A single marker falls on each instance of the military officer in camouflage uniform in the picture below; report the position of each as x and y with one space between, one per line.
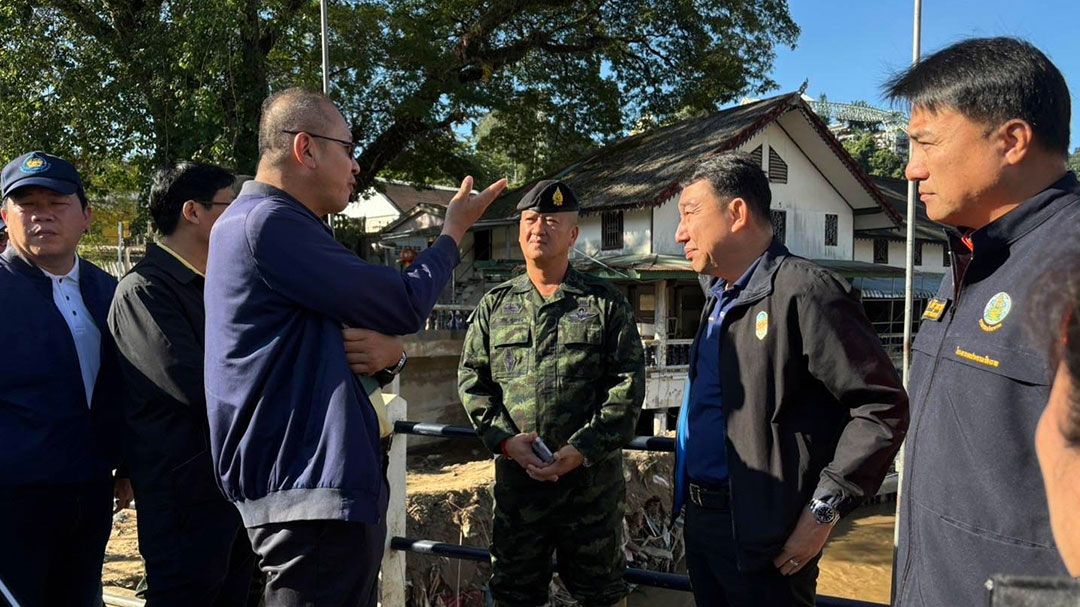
554 354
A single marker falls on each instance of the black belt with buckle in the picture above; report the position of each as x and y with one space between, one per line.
715 497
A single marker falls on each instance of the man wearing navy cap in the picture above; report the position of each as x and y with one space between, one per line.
554 355
59 393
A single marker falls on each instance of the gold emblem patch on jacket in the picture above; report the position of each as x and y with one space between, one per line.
995 312
761 325
935 308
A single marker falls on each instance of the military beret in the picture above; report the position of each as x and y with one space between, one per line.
549 196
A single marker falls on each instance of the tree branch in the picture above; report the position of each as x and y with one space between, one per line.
91 23
274 28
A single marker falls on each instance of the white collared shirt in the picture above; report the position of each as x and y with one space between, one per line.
68 299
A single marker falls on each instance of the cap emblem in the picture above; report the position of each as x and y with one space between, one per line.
34 164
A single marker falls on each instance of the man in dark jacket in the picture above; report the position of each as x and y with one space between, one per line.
794 410
59 392
989 135
190 537
294 439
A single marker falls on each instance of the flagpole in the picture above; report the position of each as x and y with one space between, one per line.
909 288
324 30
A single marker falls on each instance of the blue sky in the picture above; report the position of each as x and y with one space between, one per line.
847 49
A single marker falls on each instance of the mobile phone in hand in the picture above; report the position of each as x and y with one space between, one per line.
540 449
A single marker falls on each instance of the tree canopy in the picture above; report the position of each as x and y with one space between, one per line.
874 158
121 86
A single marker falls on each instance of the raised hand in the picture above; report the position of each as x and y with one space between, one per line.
466 208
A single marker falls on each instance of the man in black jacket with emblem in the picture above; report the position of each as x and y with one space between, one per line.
794 411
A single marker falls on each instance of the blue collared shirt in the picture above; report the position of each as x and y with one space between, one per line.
702 433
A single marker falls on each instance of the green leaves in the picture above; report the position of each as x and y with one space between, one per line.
538 84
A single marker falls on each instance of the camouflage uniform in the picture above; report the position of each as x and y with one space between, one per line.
571 369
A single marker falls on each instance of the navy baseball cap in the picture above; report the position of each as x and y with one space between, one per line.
44 170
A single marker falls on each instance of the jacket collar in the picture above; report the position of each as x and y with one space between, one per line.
573 282
760 283
24 266
160 258
1031 213
96 296
265 190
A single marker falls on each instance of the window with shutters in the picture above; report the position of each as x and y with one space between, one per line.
918 253
779 225
832 230
611 230
756 155
777 167
881 250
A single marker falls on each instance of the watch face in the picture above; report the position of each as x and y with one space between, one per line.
825 514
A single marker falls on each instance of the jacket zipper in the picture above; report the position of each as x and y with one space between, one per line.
958 287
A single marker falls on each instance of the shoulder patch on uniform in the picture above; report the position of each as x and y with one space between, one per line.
995 312
513 307
761 325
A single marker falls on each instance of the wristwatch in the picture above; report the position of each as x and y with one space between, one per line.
400 366
823 513
388 374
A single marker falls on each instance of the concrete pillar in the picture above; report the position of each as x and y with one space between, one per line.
660 322
659 423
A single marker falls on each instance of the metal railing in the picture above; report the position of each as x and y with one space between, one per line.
449 317
399 542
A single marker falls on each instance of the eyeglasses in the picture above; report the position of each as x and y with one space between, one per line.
212 203
350 146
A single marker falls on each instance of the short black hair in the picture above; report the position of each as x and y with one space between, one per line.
991 81
293 109
177 184
737 175
1054 316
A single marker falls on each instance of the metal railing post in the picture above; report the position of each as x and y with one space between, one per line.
393 565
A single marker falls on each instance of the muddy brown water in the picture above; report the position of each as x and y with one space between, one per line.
857 563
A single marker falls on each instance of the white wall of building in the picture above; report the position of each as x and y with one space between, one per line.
637 234
376 208
932 255
807 197
665 222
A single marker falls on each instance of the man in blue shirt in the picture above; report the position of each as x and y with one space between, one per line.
60 392
294 439
704 414
793 412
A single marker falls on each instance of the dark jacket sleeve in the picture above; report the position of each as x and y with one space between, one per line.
479 393
144 320
845 354
304 263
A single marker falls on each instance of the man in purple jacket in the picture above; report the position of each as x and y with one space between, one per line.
294 439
